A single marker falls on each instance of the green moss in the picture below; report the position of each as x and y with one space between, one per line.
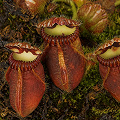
63 9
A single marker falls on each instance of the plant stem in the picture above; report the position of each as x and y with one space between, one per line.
73 7
117 2
74 10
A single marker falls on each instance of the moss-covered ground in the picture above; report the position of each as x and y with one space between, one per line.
89 101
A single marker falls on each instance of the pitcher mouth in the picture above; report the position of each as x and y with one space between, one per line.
62 39
59 29
109 53
24 56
